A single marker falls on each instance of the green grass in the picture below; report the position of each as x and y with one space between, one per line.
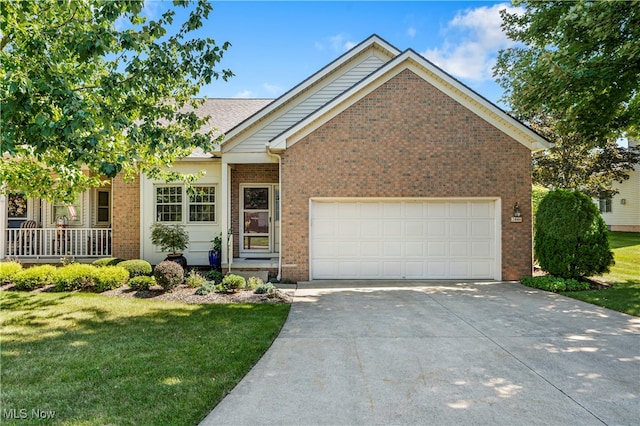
624 296
98 360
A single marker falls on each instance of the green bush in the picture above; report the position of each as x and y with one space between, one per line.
555 284
253 282
571 239
206 288
75 276
107 261
168 274
8 270
232 283
34 277
267 288
215 275
194 279
141 282
137 267
110 277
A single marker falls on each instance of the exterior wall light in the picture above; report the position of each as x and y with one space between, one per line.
516 210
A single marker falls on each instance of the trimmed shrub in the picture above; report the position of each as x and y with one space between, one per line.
137 267
34 277
168 274
215 276
110 277
571 239
253 282
232 283
267 288
107 261
194 279
555 284
8 270
75 276
141 282
206 288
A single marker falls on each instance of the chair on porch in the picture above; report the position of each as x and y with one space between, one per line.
24 242
100 245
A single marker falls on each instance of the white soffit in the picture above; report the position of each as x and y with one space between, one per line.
433 75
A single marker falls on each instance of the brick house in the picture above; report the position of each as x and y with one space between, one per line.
380 165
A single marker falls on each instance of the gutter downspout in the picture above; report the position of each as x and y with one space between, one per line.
271 153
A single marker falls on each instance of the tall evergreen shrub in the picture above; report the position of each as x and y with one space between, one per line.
571 239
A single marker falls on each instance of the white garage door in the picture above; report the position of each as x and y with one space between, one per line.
404 239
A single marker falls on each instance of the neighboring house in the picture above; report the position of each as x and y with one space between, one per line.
380 165
622 211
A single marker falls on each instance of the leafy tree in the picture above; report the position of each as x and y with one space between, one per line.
576 60
571 239
92 88
573 162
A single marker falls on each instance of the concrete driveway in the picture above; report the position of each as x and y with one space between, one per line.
441 353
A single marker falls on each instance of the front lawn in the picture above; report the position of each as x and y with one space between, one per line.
624 296
95 360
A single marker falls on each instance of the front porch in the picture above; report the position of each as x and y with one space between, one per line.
45 244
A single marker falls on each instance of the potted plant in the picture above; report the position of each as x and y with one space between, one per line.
215 254
171 237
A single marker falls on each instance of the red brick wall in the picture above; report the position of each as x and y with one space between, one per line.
126 218
247 174
406 139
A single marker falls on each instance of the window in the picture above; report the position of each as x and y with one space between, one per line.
199 206
103 207
68 213
202 204
16 209
605 205
169 204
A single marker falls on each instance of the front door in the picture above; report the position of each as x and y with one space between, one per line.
257 220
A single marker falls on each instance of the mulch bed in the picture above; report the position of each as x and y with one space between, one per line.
184 294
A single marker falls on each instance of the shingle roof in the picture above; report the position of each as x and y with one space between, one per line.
226 114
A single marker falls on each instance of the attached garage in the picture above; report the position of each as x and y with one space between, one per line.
405 239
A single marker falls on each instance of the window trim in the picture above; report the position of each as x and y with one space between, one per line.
605 205
186 203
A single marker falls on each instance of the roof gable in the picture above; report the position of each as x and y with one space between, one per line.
328 83
430 73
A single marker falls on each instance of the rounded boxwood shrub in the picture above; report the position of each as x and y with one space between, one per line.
168 274
136 267
8 270
232 283
110 277
34 277
141 282
571 239
75 276
107 261
215 276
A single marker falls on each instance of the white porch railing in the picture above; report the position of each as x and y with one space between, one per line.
55 242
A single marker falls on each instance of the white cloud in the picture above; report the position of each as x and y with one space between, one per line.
411 32
244 94
338 43
272 89
471 43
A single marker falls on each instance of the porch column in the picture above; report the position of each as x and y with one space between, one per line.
225 195
3 221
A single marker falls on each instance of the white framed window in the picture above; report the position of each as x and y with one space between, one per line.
174 204
67 213
605 205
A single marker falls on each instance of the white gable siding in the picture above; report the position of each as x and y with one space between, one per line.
256 141
627 214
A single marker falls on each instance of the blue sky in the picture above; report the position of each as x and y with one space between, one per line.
276 45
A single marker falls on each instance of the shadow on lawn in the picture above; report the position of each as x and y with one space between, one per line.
92 363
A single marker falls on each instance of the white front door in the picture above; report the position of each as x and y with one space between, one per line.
258 220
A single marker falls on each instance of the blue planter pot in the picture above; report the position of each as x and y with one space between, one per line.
215 259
